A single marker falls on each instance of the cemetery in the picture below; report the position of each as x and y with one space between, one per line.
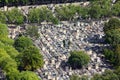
56 42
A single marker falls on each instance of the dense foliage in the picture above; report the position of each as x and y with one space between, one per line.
39 15
33 32
30 58
78 59
3 30
28 75
2 17
15 16
112 24
22 43
112 35
107 75
9 57
97 9
76 77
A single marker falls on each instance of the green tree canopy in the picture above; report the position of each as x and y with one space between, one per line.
3 30
22 43
74 77
97 77
78 59
6 62
113 36
113 23
28 75
32 31
66 12
15 16
13 75
117 71
100 8
2 17
107 75
33 16
110 55
11 51
116 9
39 15
30 59
95 11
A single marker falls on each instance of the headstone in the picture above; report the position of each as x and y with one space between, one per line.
89 52
5 8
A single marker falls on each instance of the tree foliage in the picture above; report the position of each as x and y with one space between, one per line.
100 8
116 9
28 75
2 17
3 30
22 43
39 15
113 36
74 77
66 12
15 16
32 31
112 24
6 62
30 59
78 59
110 55
107 75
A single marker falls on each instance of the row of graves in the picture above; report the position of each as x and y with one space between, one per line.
15 30
56 42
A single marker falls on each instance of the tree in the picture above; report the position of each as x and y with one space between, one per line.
3 30
28 75
95 11
65 12
32 31
106 8
4 35
7 41
6 62
15 16
116 9
33 16
2 17
110 55
113 36
84 78
107 75
82 11
74 77
78 59
117 72
30 59
11 51
113 23
100 8
97 77
39 15
13 75
22 43
117 55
